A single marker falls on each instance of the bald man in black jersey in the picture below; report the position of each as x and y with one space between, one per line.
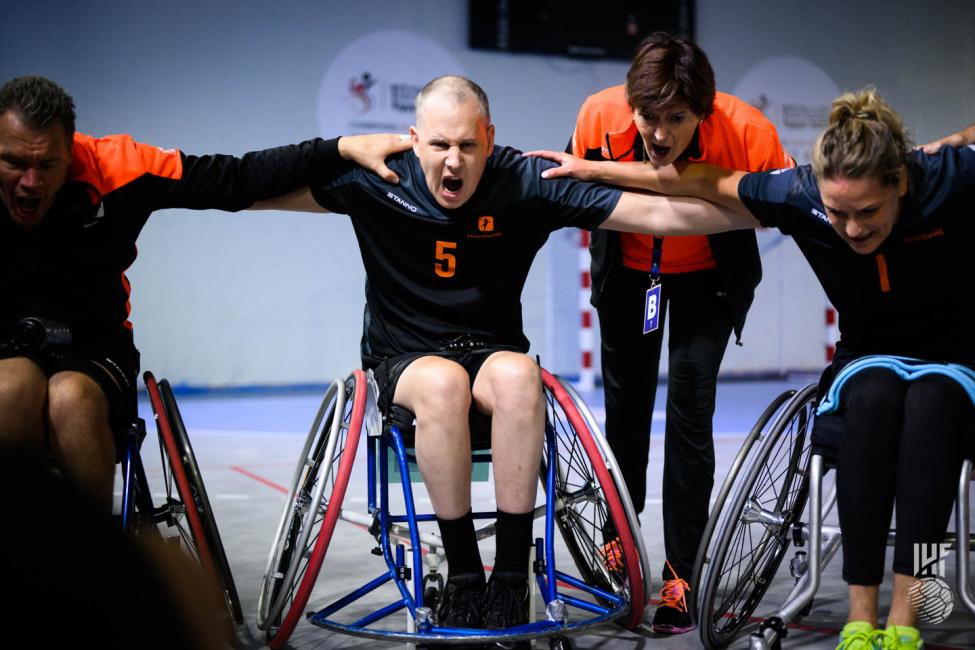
446 253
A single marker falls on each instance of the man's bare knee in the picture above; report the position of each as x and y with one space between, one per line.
80 433
78 418
513 381
75 397
23 391
434 387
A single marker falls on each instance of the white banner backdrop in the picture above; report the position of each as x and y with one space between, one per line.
365 90
796 95
786 329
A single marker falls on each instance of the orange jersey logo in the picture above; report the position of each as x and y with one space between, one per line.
485 224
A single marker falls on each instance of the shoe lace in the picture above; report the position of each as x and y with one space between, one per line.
612 555
885 640
672 593
861 639
501 602
464 602
889 640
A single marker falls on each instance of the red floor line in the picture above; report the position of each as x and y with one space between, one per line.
260 479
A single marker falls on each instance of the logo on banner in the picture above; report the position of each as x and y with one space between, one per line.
371 85
931 596
359 89
795 95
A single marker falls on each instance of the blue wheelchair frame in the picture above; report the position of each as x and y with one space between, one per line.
546 574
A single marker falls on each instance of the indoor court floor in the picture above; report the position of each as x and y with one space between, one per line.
247 447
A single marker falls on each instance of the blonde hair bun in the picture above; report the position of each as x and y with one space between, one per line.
865 137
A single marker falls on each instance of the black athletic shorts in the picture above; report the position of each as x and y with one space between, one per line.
113 365
469 353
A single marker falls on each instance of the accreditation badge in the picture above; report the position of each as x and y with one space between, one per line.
651 311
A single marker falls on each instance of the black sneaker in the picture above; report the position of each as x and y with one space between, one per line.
461 601
506 605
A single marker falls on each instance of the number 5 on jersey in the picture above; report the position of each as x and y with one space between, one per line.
446 264
651 313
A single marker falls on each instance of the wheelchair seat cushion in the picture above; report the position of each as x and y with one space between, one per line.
405 421
827 436
830 424
905 367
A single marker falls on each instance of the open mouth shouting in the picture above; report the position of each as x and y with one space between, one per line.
27 205
26 210
452 186
658 154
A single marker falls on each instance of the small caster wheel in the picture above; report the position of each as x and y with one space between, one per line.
561 643
431 597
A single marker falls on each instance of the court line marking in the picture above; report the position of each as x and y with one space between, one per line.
260 479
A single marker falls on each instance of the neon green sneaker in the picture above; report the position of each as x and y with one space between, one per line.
859 635
901 637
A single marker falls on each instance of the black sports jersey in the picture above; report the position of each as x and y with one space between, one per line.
71 266
909 297
434 274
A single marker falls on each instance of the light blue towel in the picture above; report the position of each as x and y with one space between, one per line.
905 367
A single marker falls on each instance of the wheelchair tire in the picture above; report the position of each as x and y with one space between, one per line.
199 499
180 471
593 501
733 478
312 509
776 482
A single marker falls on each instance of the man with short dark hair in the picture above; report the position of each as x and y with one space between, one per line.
446 253
71 208
669 110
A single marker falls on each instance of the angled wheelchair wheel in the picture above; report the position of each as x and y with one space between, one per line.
755 531
593 507
187 507
312 508
733 479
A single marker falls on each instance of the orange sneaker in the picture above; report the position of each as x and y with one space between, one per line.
612 555
672 616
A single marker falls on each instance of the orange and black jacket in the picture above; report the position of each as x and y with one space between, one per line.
734 136
71 266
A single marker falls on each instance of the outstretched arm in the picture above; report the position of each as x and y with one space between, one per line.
300 200
367 151
654 214
959 139
688 179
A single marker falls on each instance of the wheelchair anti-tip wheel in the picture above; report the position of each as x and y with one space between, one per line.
187 507
312 508
756 529
593 508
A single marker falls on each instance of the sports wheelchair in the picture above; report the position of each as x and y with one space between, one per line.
186 508
772 504
585 499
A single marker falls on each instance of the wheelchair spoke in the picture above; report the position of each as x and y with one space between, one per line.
583 516
758 542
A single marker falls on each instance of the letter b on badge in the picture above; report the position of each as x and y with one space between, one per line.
651 311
